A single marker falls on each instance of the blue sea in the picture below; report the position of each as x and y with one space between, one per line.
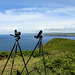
27 41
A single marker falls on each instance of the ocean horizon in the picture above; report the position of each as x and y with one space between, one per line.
27 41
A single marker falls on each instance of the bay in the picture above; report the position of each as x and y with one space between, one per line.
27 41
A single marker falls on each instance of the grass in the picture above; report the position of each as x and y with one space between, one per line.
59 59
18 64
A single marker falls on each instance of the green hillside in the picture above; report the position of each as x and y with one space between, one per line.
61 56
59 59
60 45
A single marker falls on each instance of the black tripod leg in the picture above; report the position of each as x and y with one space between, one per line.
38 72
18 73
13 58
43 59
30 57
8 59
35 68
23 58
39 48
31 71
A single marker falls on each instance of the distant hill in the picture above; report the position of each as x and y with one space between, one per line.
59 34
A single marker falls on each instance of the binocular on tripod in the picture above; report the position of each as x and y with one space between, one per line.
16 44
17 34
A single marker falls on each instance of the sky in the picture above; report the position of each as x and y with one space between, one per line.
30 16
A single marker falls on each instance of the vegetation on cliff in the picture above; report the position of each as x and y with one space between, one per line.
59 59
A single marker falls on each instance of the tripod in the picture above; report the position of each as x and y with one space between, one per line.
40 46
15 51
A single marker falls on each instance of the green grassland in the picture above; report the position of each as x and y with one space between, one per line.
59 58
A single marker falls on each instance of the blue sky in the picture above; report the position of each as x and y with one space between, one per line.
29 16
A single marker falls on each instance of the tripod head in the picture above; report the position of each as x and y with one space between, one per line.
39 35
17 34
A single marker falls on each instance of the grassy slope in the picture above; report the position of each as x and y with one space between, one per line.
60 44
59 58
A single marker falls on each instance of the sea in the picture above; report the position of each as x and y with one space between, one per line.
27 41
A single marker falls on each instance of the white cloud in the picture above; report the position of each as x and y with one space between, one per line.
0 13
34 8
67 10
6 30
21 17
28 19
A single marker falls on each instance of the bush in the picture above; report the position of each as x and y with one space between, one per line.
4 54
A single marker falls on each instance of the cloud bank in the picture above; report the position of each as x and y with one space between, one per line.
31 19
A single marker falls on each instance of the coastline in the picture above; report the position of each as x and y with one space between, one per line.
59 34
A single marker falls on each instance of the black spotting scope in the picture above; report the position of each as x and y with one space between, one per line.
17 34
39 34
